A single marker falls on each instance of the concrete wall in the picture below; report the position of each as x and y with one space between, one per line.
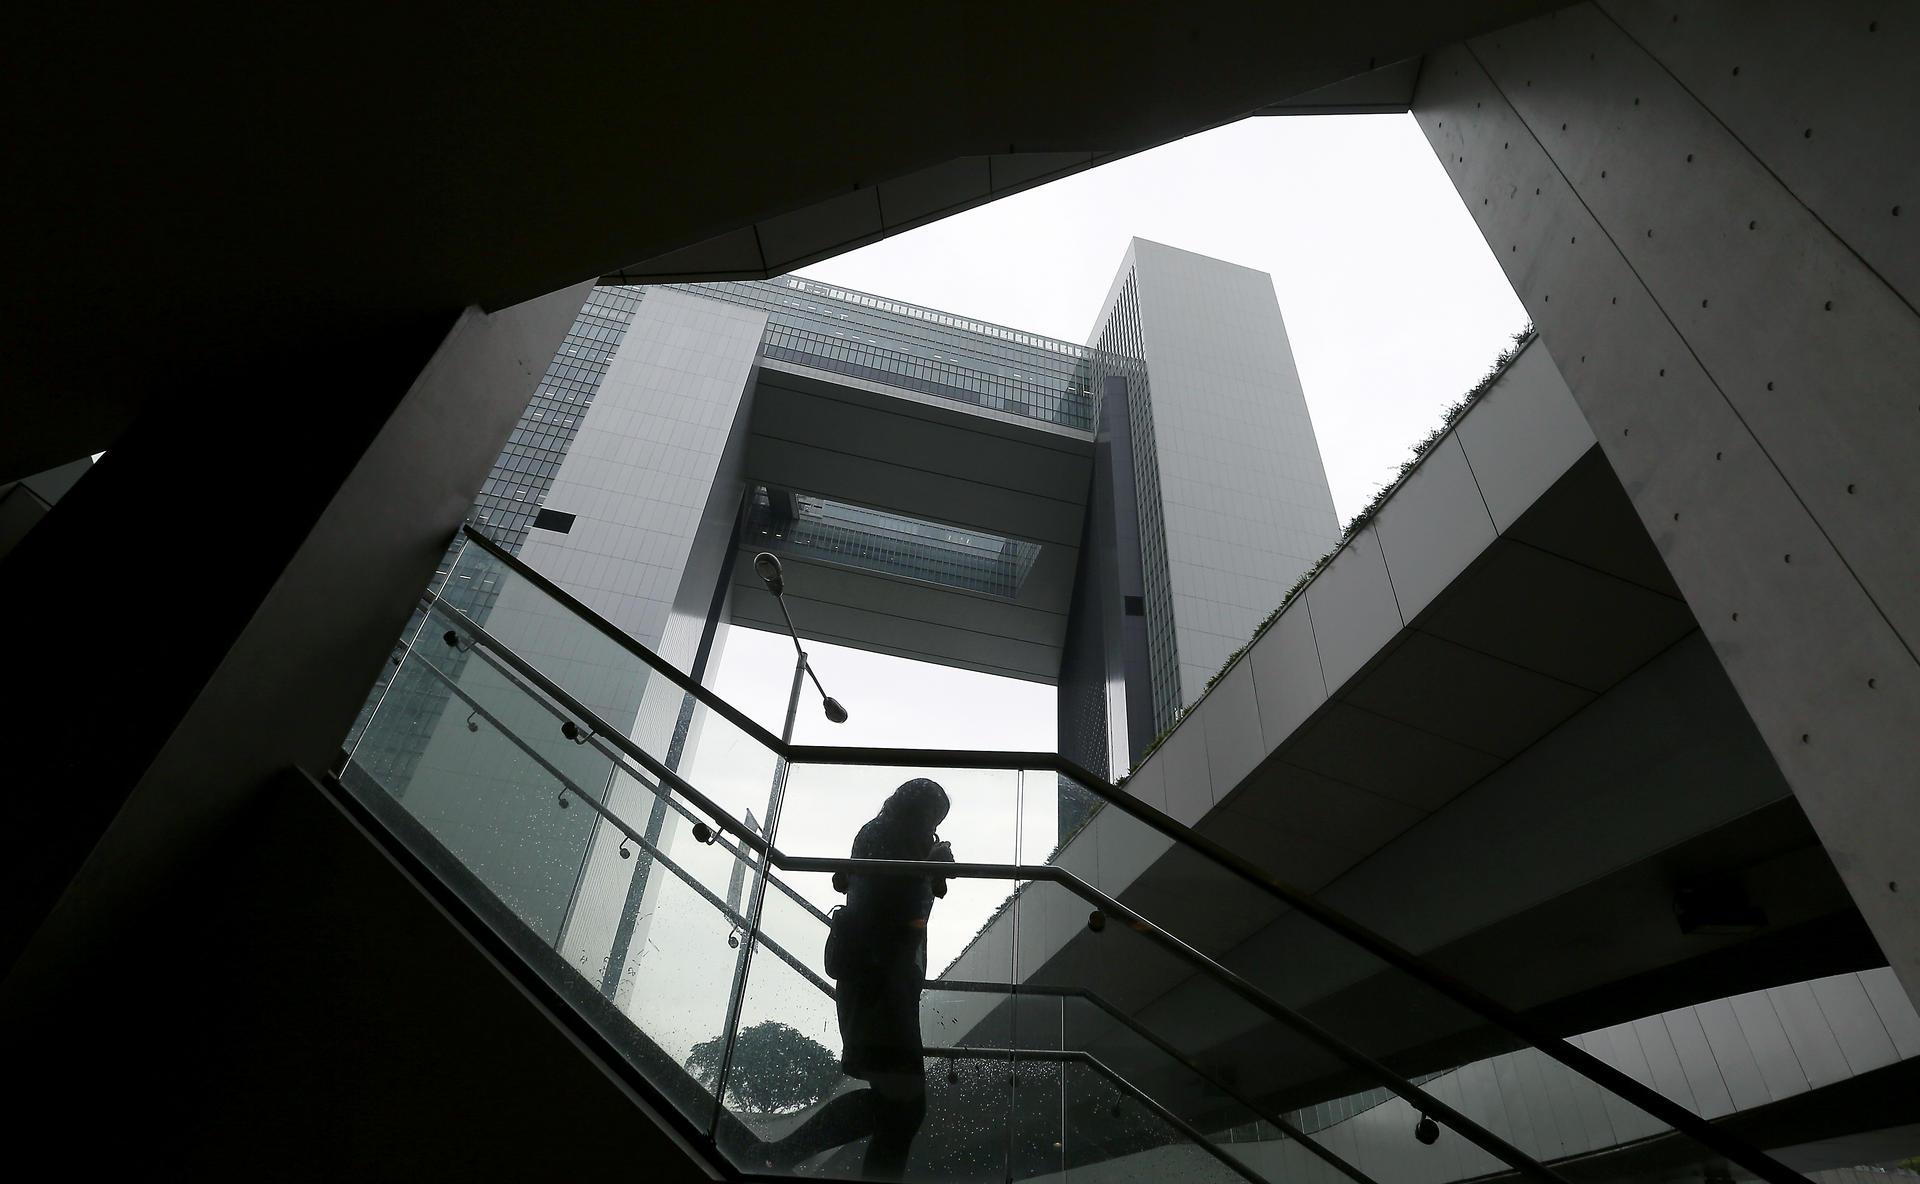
1471 486
331 1021
25 502
1701 206
270 643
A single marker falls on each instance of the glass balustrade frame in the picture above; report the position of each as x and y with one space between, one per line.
763 856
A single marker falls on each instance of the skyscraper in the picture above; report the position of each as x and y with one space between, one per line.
1229 494
1114 518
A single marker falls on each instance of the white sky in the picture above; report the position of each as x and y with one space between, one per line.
1394 307
1393 303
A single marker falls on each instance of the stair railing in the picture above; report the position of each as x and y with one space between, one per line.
1459 993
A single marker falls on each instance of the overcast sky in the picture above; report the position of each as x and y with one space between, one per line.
1394 307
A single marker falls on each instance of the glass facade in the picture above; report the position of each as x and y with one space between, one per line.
1122 351
918 349
521 477
890 343
874 540
510 500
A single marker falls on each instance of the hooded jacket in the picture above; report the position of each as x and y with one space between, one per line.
897 907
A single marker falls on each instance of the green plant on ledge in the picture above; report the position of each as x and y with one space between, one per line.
1454 411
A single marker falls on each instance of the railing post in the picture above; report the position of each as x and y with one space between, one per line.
736 999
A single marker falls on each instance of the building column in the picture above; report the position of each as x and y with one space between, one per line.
1701 205
208 606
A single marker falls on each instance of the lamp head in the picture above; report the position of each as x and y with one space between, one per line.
766 565
835 713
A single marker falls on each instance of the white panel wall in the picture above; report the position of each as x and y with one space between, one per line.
639 473
639 479
1241 482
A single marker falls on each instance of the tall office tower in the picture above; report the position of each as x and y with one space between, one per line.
1220 470
1113 518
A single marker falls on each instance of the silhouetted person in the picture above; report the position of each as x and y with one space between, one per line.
880 968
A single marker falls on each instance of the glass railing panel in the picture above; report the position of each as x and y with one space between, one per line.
1289 956
971 1089
1112 1134
1213 1106
676 986
546 632
479 789
1117 1094
1212 908
583 703
1272 1154
416 621
783 1069
614 684
1036 1107
792 1107
1360 998
887 997
1185 1038
1249 993
1542 1108
826 806
683 832
793 924
1153 995
540 841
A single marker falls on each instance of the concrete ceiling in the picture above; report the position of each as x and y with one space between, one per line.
850 440
201 188
1386 90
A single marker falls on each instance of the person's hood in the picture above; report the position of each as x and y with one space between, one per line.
920 802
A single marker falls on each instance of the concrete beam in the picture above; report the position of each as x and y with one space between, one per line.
1385 91
233 634
1744 352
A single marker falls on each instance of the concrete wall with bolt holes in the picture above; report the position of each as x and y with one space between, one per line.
1709 210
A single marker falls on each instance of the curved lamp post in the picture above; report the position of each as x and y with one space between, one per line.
766 565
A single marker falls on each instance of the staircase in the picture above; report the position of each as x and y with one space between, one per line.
659 866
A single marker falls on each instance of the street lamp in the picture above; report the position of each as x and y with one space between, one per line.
766 565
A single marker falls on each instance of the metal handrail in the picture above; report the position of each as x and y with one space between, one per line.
593 739
1474 1001
569 786
806 971
1113 1012
1075 1056
955 985
1351 1056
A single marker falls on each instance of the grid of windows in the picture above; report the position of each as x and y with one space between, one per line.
1122 351
918 349
895 544
521 477
886 341
505 509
